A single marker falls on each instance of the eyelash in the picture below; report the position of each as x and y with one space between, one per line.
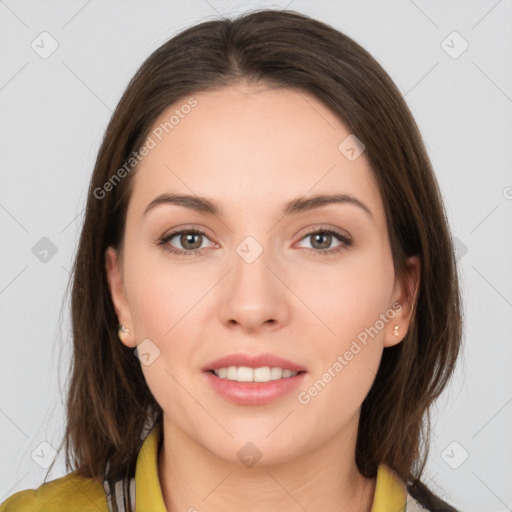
346 242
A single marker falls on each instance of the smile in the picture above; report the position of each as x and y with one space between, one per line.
247 374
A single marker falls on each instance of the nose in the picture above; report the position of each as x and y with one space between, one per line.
254 297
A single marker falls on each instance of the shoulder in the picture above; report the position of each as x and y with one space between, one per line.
70 493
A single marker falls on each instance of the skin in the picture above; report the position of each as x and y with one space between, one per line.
252 149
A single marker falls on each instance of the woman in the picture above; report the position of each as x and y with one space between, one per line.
265 301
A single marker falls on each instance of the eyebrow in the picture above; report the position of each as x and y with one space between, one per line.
293 207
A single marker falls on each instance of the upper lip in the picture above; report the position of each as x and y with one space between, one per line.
253 361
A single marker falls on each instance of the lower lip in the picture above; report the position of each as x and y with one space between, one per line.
253 393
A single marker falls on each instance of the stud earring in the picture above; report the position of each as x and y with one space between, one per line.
122 331
395 331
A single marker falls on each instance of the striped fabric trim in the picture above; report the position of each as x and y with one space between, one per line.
123 498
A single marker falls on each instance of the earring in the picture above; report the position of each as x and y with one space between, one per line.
395 331
122 331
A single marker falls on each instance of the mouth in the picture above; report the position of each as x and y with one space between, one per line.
247 374
253 379
252 367
251 392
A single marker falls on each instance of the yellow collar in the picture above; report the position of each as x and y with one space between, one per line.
390 492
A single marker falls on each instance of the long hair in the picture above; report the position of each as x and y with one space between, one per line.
109 403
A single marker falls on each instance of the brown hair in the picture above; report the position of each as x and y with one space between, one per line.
108 401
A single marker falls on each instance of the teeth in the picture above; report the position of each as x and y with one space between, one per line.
246 374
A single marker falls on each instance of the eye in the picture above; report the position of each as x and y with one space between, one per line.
322 239
190 239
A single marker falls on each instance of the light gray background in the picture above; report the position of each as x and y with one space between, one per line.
53 115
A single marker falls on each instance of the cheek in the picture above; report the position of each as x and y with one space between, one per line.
165 309
162 295
348 296
164 304
352 301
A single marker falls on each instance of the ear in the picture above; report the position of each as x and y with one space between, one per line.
403 302
116 285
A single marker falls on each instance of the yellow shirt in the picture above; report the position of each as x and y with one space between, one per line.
72 493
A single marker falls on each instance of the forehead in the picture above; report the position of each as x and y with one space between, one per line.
251 146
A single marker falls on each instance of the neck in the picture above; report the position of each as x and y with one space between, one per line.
192 478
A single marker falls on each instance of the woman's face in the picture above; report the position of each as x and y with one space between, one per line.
312 283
